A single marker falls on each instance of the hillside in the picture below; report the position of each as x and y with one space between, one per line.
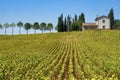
58 56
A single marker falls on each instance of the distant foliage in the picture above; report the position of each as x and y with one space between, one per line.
27 27
116 24
1 27
81 20
35 26
69 23
60 24
12 25
6 25
20 25
49 26
43 26
64 24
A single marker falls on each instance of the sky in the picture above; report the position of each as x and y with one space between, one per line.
49 10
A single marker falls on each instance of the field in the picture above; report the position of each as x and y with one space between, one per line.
88 55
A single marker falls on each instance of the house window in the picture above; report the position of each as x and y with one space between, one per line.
103 21
103 27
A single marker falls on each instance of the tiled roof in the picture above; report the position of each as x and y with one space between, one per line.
101 17
89 24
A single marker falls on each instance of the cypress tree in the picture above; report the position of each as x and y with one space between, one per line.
60 24
68 23
81 20
111 16
65 24
75 18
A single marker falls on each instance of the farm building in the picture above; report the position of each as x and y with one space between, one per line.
102 22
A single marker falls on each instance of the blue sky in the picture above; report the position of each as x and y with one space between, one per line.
49 10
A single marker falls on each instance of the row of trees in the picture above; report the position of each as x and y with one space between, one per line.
65 24
70 24
27 26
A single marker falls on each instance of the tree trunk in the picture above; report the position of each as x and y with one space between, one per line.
20 30
12 30
27 32
5 30
42 31
50 30
34 31
68 27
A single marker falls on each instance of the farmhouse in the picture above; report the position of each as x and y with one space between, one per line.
102 22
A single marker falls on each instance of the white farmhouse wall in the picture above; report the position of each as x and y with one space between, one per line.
101 24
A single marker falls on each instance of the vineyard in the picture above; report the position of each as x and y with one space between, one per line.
88 55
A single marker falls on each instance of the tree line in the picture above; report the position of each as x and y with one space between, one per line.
27 26
64 24
67 24
75 24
